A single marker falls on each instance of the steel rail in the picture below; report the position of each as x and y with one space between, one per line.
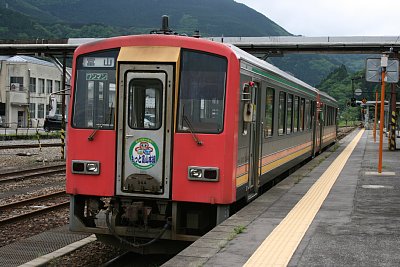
18 175
32 200
34 213
28 146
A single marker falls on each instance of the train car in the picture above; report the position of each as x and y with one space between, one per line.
167 132
328 116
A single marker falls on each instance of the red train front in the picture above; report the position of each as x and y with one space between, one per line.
152 148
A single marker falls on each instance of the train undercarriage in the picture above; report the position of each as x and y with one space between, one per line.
144 226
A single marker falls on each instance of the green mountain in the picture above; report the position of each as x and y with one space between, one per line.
314 68
139 16
14 25
340 84
54 19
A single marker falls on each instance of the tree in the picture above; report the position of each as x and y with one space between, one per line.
350 114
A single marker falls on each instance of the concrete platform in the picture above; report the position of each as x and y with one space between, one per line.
358 223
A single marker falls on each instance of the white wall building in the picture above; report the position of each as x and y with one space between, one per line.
25 86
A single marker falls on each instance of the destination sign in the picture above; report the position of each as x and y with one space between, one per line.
96 76
98 62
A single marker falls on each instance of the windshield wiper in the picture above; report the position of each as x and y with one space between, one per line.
191 129
91 136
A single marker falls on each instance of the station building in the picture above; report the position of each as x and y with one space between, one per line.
25 86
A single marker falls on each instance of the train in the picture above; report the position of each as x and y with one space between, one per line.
168 133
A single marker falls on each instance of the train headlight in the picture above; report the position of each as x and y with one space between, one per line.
210 174
195 173
85 167
92 167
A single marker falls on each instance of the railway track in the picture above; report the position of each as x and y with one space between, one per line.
343 131
22 146
31 207
19 175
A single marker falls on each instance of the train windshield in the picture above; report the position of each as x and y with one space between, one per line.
201 92
94 101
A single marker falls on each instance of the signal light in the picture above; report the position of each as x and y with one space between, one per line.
353 102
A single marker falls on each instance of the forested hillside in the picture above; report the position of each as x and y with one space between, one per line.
339 85
54 19
137 16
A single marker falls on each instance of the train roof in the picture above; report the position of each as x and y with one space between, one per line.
267 66
327 98
155 39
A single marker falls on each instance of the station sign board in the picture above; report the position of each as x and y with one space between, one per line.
358 92
374 70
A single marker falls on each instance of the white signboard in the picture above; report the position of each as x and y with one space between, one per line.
374 70
358 92
52 106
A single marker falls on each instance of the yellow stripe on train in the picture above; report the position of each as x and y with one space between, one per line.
243 179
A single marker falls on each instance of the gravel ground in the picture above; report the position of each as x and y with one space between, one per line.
9 159
24 229
94 254
18 190
12 192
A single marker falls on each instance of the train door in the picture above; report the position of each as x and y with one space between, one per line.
315 128
322 115
254 140
145 127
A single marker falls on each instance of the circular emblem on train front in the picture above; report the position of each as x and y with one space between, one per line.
143 153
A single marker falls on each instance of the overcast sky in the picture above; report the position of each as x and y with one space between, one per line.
332 17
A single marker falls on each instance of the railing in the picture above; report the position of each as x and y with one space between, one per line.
13 129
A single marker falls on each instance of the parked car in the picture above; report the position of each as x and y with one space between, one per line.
52 123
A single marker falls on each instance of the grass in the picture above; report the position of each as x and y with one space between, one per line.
349 123
236 231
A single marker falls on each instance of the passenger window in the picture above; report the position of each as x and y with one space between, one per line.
296 114
289 114
201 93
145 103
307 116
301 117
269 113
94 96
281 113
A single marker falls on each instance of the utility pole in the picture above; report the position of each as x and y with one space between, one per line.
63 107
393 119
384 63
383 70
376 114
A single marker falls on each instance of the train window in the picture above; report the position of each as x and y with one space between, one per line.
301 115
94 95
289 114
307 115
328 115
281 113
269 112
201 92
312 113
145 103
296 114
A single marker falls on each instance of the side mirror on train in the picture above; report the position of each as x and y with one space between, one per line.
248 106
248 112
52 105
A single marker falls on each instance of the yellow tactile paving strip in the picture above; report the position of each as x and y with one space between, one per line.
278 248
